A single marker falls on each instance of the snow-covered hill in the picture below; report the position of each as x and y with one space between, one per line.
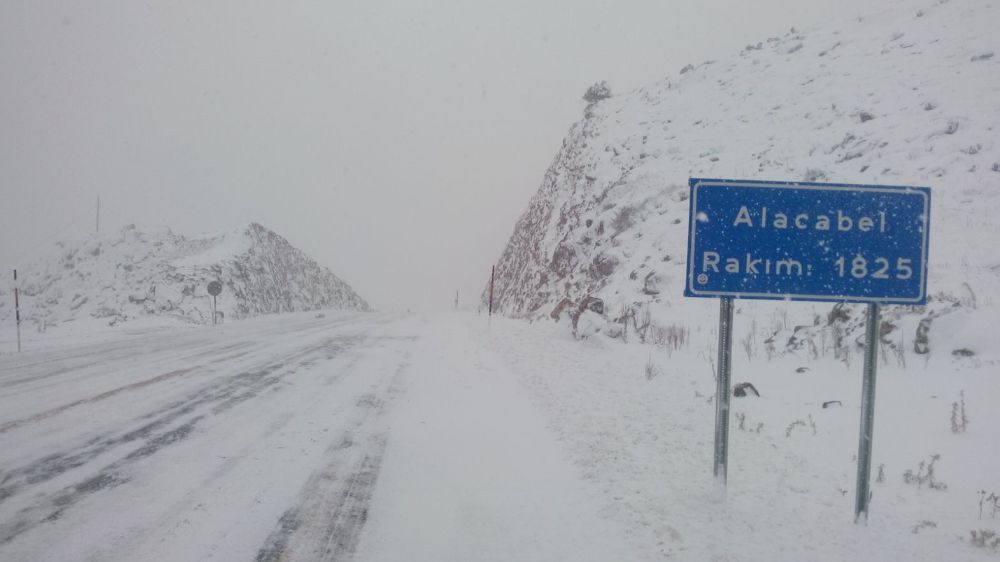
139 274
903 97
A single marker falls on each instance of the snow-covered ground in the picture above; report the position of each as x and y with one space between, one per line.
646 444
382 437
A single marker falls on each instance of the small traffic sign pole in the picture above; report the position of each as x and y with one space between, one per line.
863 494
17 312
722 392
214 288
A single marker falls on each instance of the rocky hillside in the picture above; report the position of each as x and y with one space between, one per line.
132 274
903 97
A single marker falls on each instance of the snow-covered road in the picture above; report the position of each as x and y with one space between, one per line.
350 436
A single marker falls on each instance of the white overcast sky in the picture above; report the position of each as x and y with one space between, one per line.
395 142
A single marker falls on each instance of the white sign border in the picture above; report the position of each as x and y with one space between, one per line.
699 182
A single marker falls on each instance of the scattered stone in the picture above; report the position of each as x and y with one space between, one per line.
963 352
921 343
802 370
744 389
653 283
982 56
831 403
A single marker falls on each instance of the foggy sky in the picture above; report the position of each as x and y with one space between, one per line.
395 142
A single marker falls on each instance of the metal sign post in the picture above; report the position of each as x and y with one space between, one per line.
811 242
722 393
214 288
17 311
863 494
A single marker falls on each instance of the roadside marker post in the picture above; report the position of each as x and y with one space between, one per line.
810 242
17 311
493 274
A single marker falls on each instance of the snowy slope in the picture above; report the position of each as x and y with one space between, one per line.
158 274
903 97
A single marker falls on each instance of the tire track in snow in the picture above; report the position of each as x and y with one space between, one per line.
102 396
161 432
326 522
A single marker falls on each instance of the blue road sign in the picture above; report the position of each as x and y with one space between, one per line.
808 241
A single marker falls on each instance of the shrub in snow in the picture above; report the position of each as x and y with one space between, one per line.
813 174
959 420
671 337
925 475
985 538
625 218
745 389
792 426
992 500
742 419
599 91
651 369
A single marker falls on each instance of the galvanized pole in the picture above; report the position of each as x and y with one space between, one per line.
214 313
17 311
722 393
863 493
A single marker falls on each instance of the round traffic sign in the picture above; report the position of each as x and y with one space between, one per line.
214 288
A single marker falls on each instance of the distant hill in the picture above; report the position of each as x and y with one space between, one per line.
131 274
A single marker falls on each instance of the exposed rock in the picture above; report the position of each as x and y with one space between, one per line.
921 343
564 308
587 324
592 303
